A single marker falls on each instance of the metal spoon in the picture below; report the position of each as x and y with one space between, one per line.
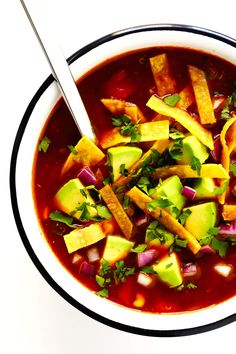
59 66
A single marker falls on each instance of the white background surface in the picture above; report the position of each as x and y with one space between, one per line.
34 319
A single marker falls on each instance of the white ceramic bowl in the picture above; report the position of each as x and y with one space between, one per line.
21 174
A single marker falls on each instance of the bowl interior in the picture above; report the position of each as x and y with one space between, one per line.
73 291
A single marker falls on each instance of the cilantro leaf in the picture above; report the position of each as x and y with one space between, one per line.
124 170
103 212
44 144
58 216
172 100
183 217
162 202
233 169
103 293
219 246
72 149
196 165
140 248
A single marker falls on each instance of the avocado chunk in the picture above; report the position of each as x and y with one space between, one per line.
168 270
156 235
122 155
80 238
202 218
116 248
171 189
205 188
192 147
70 196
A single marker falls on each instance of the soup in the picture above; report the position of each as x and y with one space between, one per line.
146 215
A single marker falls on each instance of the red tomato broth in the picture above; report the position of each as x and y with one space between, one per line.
132 72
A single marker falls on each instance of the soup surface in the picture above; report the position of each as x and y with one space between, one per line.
146 217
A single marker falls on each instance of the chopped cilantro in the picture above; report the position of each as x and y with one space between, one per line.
184 216
176 135
181 243
140 248
176 149
162 202
124 170
44 144
72 149
83 192
169 265
103 292
148 270
85 214
172 100
233 168
143 183
220 190
196 165
107 181
58 216
191 286
219 246
127 127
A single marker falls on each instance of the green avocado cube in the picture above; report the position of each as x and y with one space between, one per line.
71 196
116 248
171 189
169 271
122 155
202 218
192 147
205 188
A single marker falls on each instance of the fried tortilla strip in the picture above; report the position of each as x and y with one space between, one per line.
186 98
85 153
171 224
185 171
164 80
228 142
229 212
123 107
202 95
159 145
150 131
117 210
183 118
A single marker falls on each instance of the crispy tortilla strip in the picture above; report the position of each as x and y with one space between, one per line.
80 238
229 212
117 210
122 107
202 95
159 145
228 142
164 80
171 224
183 118
149 132
186 98
88 154
185 171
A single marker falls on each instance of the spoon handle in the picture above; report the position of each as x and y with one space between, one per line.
59 66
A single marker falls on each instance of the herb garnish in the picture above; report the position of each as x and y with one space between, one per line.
140 248
210 239
72 149
44 144
127 127
60 217
184 216
172 100
161 202
196 165
124 170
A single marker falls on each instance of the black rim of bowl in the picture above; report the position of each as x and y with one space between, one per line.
15 150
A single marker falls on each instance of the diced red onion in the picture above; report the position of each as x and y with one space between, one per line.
87 268
216 152
207 249
141 219
146 280
143 258
189 269
87 176
188 192
93 254
228 230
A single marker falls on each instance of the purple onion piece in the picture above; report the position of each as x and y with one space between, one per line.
207 249
87 176
228 230
216 152
189 269
188 192
146 257
87 268
141 219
